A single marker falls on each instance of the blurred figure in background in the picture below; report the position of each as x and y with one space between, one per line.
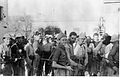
5 56
47 45
38 50
30 57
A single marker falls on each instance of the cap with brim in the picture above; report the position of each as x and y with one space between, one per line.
114 38
61 35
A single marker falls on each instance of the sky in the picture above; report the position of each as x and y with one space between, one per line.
70 15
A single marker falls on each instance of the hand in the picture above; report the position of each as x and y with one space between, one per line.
115 68
80 66
16 59
20 50
69 68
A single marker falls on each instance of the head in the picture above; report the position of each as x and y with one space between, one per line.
88 40
62 38
81 38
107 40
36 37
104 36
96 37
73 36
18 40
6 39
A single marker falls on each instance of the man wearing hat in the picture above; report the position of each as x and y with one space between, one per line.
5 53
60 62
80 51
114 55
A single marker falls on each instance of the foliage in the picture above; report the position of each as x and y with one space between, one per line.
51 30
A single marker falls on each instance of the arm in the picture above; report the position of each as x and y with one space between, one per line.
111 54
86 58
54 64
71 61
97 48
27 54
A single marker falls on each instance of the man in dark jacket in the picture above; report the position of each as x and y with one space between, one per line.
18 54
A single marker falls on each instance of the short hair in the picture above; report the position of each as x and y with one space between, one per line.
95 34
72 33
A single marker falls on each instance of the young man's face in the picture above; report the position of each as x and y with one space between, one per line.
81 40
63 40
96 38
73 38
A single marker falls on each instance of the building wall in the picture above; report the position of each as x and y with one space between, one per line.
4 21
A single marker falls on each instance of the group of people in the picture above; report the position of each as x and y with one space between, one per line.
75 55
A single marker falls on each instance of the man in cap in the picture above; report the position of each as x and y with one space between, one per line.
114 55
61 62
5 57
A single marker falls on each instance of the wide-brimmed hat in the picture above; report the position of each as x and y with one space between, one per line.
114 38
82 35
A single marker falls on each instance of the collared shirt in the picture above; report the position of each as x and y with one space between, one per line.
60 56
79 50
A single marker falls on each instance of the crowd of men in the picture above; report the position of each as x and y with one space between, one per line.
75 55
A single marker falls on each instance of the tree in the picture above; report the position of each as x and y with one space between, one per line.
52 30
23 24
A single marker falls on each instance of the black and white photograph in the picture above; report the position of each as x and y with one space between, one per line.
59 37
